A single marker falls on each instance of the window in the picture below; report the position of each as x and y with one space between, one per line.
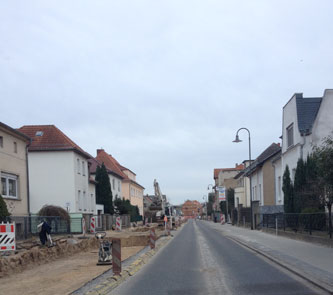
83 169
260 201
78 166
113 184
290 135
15 147
1 142
9 185
118 185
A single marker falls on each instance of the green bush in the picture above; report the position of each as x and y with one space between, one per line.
3 209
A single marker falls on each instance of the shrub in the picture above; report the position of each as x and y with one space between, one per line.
3 209
50 210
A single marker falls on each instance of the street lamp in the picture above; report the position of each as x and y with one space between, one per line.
238 140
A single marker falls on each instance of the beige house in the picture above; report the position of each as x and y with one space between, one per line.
261 172
14 186
130 189
225 177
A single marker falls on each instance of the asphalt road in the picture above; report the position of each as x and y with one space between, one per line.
200 260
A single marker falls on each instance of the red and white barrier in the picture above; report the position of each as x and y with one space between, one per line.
118 224
7 237
93 225
116 256
152 238
222 219
84 228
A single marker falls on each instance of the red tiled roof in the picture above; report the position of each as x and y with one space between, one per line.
112 164
51 139
93 163
237 168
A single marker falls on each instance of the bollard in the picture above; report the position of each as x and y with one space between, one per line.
118 224
168 229
276 225
244 221
84 230
152 238
116 256
92 225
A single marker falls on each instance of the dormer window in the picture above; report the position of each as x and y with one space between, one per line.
290 135
39 133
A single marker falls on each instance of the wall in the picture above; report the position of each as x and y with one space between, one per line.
257 186
268 184
92 198
81 183
116 188
52 179
15 163
277 165
136 197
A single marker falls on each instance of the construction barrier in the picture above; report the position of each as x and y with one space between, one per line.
118 224
222 219
152 238
7 237
116 256
93 225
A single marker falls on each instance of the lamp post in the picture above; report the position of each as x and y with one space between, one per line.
238 140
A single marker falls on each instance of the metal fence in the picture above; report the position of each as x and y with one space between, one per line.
310 223
26 226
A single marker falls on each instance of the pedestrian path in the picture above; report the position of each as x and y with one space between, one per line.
312 261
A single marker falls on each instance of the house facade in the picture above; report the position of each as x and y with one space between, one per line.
242 189
305 122
130 189
225 177
58 171
14 185
262 175
115 178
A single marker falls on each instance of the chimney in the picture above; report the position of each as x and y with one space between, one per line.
99 150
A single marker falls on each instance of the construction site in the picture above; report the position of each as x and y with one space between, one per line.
69 264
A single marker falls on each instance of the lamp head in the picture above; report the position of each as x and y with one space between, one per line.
237 139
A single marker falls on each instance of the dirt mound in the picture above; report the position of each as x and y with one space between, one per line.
40 255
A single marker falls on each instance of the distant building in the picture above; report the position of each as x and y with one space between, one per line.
192 209
14 170
225 177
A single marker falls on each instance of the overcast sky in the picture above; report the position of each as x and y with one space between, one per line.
163 86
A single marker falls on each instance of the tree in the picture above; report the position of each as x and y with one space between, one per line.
323 158
103 189
3 210
211 201
288 191
299 185
125 207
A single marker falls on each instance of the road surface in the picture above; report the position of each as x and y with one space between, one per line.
200 260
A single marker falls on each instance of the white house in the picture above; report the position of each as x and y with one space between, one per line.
58 171
305 122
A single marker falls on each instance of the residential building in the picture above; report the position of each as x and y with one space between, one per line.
225 177
242 189
305 122
58 171
192 209
115 178
130 189
261 174
14 186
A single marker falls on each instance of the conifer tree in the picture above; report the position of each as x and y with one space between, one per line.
288 191
3 209
103 189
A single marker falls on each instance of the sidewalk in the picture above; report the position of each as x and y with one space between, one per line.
312 262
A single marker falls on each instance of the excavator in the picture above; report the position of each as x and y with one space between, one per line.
159 206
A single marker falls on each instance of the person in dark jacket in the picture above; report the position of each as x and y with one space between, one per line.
45 229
